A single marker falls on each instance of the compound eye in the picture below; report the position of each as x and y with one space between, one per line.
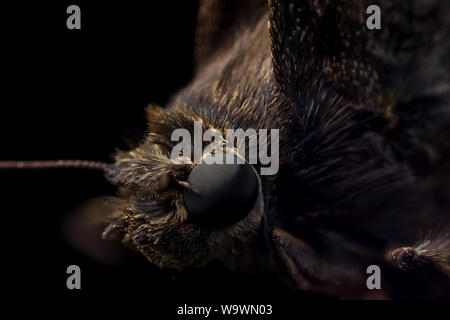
222 194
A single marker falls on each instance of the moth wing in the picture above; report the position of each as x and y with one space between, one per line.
217 23
83 229
310 37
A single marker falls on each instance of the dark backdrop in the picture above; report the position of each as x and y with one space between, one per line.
79 95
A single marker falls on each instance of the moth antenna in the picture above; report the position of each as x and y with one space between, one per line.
53 164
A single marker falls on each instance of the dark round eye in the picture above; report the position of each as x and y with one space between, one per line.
222 194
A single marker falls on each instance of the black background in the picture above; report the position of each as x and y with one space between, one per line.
77 94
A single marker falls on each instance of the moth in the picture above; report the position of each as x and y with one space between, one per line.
364 149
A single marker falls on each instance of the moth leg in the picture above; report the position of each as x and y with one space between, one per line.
284 244
403 258
307 269
430 258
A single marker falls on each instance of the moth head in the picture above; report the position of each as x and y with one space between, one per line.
178 213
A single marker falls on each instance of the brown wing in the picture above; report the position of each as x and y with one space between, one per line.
83 230
217 22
